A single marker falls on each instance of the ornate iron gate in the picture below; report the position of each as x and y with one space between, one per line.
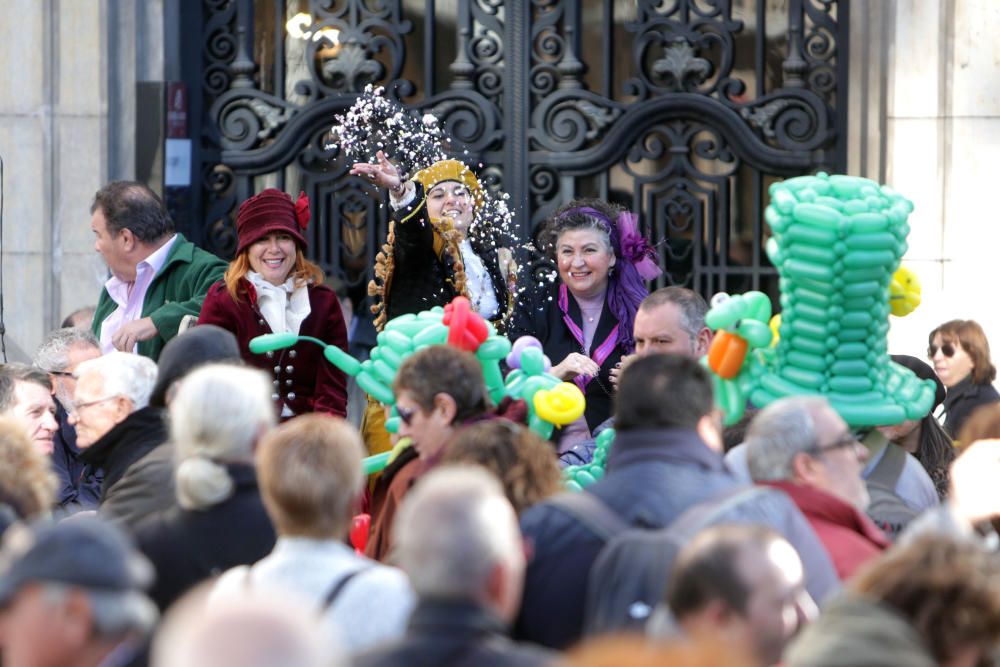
684 110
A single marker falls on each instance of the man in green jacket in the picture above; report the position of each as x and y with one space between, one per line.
157 276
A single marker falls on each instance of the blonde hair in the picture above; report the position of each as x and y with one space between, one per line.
309 471
217 416
303 272
27 483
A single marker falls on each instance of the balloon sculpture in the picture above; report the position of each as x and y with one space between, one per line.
837 241
578 477
550 401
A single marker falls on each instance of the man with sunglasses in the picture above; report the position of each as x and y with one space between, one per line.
59 355
802 446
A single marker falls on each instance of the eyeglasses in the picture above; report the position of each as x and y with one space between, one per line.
406 414
947 350
63 374
76 407
848 439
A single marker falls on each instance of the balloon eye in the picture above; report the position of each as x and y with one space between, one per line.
719 299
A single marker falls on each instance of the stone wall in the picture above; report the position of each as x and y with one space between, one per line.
942 150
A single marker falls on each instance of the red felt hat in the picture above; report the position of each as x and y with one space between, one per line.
271 211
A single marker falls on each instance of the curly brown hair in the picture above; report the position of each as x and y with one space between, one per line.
525 464
948 590
27 484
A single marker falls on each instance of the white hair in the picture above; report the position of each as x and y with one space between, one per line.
453 529
53 353
123 374
218 414
242 629
780 431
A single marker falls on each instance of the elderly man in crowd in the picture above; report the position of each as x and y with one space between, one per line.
801 446
59 355
26 395
115 427
157 277
72 596
309 471
457 539
743 586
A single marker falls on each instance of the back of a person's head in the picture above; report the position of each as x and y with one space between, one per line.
453 529
524 464
708 568
309 470
442 369
662 391
123 374
27 484
947 589
200 345
982 424
778 433
216 417
242 629
11 374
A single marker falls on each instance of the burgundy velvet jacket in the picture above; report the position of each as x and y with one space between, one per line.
303 379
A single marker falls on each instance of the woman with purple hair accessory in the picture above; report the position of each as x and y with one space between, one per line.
584 319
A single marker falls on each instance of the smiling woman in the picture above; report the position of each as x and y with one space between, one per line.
602 260
270 287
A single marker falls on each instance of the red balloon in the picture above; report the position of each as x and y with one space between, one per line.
360 525
466 329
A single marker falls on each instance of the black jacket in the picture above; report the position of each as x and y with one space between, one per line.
538 314
962 400
652 477
451 633
187 546
418 271
127 442
79 485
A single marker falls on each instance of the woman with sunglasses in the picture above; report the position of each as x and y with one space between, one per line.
961 357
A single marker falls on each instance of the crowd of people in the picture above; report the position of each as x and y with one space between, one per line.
170 497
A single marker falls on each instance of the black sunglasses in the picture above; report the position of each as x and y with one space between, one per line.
406 415
947 350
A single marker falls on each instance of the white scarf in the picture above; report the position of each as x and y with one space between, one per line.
284 306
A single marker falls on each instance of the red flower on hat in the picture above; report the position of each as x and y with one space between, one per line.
302 210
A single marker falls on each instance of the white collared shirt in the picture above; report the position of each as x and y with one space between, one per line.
478 283
131 296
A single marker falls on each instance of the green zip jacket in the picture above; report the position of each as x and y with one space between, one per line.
178 289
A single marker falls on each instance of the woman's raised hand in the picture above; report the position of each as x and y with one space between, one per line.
575 364
382 173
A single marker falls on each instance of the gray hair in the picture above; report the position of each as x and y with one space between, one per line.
453 529
123 374
691 304
780 431
115 613
219 413
53 353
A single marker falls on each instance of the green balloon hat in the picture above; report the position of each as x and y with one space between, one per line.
836 243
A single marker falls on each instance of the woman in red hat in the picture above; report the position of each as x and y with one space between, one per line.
270 287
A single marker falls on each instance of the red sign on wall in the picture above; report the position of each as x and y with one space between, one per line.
177 110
